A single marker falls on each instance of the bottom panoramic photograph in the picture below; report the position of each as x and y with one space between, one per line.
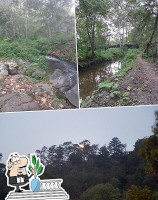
102 154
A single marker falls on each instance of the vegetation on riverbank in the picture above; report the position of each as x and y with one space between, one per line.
86 59
112 84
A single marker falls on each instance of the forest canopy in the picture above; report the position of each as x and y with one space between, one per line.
35 18
107 22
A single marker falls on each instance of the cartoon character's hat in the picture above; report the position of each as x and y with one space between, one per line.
14 158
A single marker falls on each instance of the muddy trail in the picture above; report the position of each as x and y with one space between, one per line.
138 87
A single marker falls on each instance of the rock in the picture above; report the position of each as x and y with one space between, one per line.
112 95
72 96
3 71
20 61
5 98
12 70
27 64
18 102
12 67
12 64
57 73
64 89
65 81
61 81
43 89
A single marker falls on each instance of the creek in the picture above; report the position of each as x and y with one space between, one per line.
89 79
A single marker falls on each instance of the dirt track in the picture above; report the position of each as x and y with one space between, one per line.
141 82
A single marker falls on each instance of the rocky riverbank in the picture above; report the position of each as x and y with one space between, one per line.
27 87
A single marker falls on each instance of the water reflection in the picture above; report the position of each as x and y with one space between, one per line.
90 79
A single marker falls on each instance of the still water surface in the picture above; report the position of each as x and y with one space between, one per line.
90 79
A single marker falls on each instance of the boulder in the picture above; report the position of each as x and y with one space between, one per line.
18 102
72 96
43 89
60 80
3 71
12 70
57 73
12 67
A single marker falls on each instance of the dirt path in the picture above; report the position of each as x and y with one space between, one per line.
140 83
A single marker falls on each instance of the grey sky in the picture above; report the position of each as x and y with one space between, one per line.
28 131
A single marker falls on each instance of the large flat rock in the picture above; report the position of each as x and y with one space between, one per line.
17 102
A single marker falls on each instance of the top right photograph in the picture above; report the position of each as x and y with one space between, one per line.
117 43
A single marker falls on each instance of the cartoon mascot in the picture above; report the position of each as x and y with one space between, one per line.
16 171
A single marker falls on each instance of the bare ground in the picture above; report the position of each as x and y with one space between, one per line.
140 83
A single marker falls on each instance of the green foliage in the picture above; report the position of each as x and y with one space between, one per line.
116 93
88 25
30 168
136 194
40 170
101 192
40 76
106 86
101 55
126 94
115 86
34 160
37 166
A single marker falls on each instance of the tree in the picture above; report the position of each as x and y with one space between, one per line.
149 149
116 148
89 14
135 194
101 192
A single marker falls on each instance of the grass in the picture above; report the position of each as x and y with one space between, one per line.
129 61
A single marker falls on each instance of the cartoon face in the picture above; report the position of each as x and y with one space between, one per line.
17 165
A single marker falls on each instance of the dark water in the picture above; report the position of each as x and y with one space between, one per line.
90 79
55 63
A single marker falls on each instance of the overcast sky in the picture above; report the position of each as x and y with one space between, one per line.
26 132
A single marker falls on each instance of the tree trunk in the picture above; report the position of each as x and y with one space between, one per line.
93 38
152 35
26 26
13 26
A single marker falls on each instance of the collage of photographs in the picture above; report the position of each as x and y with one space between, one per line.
79 99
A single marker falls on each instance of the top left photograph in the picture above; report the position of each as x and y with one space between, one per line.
38 62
